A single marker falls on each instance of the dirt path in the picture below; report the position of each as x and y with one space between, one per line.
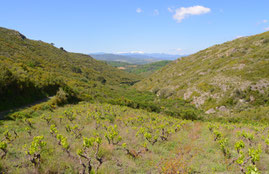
4 113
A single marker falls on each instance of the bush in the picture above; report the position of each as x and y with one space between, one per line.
189 115
61 97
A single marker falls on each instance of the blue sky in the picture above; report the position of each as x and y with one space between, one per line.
159 26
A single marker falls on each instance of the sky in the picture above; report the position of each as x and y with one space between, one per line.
150 26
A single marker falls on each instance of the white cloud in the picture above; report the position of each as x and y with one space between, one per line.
239 37
267 29
137 52
184 12
139 10
262 22
178 49
156 12
170 10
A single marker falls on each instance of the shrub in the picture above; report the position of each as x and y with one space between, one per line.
189 115
61 97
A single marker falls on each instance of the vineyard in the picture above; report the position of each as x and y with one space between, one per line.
103 138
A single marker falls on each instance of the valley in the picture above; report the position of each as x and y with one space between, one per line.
70 113
141 70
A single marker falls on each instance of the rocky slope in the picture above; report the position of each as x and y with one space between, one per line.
229 77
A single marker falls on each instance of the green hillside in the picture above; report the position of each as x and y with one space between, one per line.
229 78
147 69
31 70
142 70
118 64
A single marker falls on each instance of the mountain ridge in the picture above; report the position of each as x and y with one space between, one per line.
135 58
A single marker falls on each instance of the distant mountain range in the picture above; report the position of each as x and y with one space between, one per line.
135 58
160 56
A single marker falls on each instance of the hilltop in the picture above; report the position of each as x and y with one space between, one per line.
225 79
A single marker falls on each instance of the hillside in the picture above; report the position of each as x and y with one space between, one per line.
118 64
147 69
227 78
142 70
31 70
